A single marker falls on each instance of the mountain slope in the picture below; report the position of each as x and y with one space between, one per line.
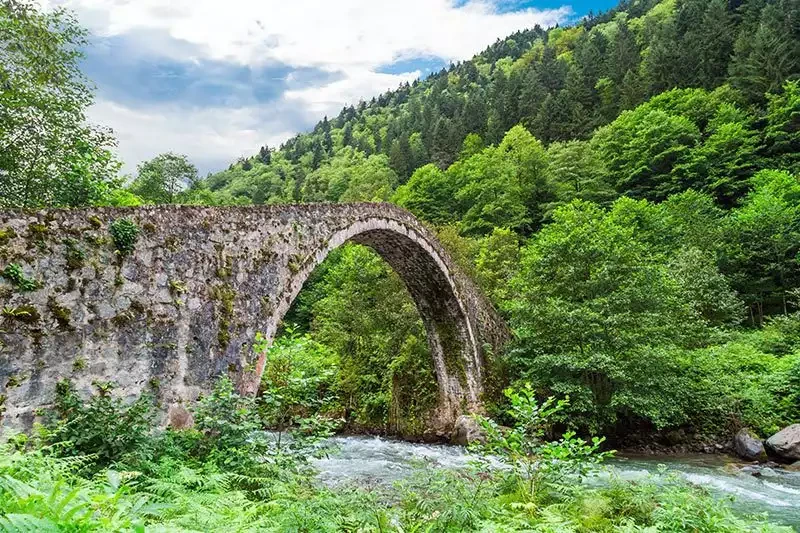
561 84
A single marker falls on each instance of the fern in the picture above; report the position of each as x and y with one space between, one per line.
22 523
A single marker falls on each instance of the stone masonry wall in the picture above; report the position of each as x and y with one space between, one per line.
184 306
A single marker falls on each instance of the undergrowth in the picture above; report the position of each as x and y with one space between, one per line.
100 465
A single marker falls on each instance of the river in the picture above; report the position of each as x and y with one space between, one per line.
371 461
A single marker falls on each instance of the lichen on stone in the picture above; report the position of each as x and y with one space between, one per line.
176 287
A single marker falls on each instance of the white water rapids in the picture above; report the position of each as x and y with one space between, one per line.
374 461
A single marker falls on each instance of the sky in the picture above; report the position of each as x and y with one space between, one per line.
217 79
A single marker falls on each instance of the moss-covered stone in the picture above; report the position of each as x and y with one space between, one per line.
250 259
14 380
171 243
224 297
79 364
295 263
177 287
6 234
125 317
75 256
60 313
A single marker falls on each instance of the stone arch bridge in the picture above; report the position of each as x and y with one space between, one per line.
184 306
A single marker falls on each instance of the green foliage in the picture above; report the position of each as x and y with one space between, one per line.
782 134
161 180
125 233
301 379
227 422
609 306
496 262
764 242
538 467
104 427
429 195
578 172
24 313
363 313
176 486
351 177
767 55
503 186
681 139
589 284
63 161
14 274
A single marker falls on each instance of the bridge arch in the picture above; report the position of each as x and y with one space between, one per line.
451 335
184 305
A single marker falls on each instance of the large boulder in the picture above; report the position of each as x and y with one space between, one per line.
748 446
466 431
786 443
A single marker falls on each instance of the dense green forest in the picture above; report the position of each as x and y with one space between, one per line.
626 191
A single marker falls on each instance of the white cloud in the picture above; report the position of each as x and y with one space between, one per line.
211 137
355 86
335 35
353 38
214 137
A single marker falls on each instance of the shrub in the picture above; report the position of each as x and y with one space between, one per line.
301 378
104 426
125 233
538 467
231 436
227 422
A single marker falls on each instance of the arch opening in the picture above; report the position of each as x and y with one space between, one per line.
448 331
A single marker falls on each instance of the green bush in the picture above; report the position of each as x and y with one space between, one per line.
125 233
538 467
103 427
301 378
227 422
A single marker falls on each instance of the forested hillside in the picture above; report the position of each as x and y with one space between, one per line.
626 191
561 85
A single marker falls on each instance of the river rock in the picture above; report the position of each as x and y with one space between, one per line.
748 446
786 443
794 467
467 431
